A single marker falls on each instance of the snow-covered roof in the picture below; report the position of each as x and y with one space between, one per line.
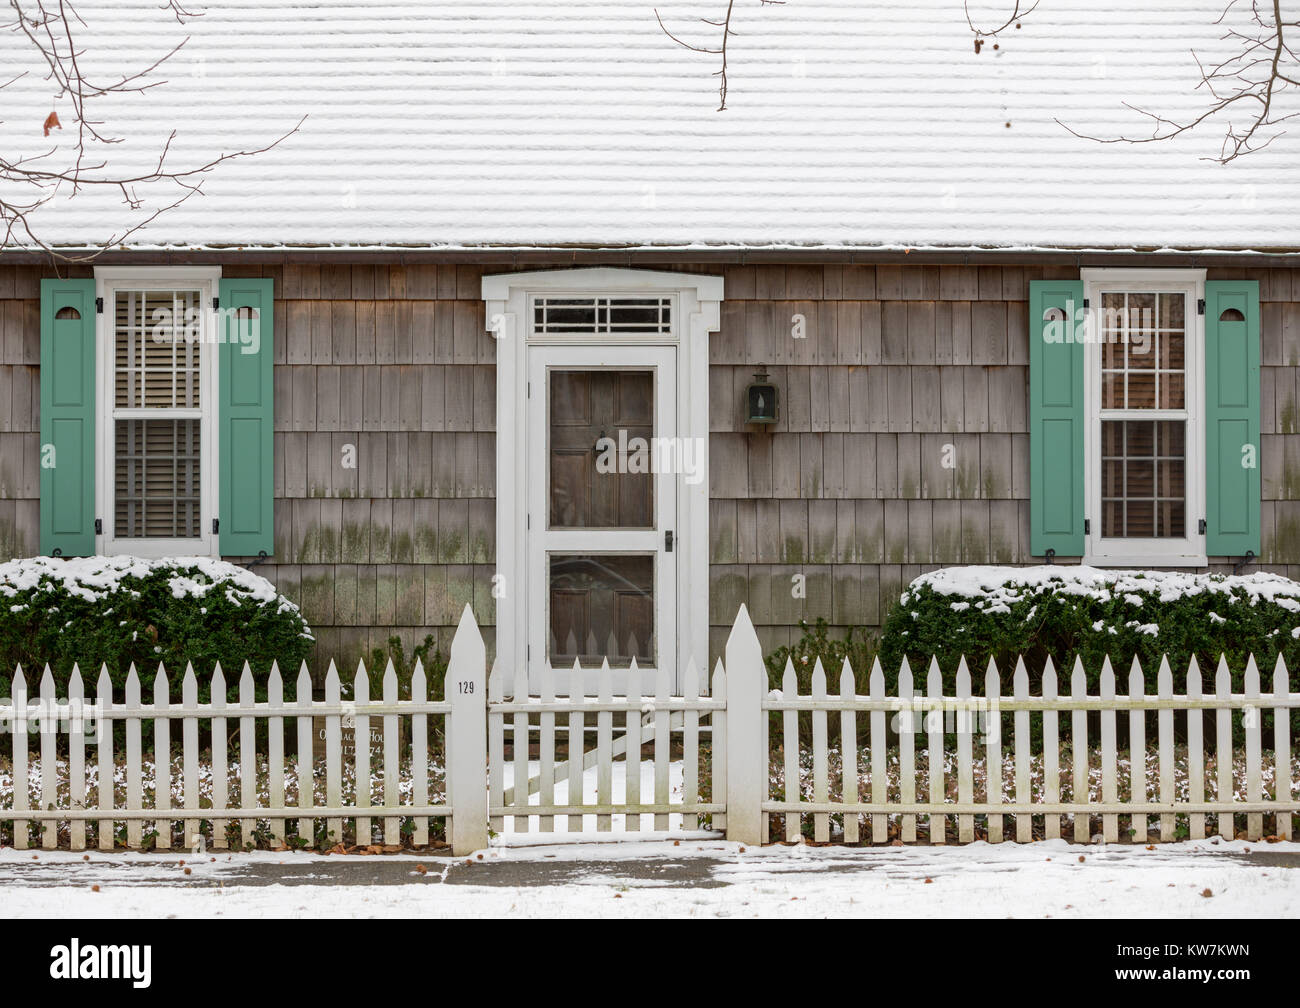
467 123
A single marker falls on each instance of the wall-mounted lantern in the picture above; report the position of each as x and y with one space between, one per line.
761 400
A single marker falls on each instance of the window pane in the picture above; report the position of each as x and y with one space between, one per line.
601 606
156 349
1143 479
601 449
156 479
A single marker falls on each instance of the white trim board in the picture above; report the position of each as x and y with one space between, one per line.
697 312
109 279
1188 551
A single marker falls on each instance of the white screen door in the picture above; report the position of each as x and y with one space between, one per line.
602 509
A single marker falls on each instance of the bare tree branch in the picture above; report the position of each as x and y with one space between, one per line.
1254 82
1013 18
723 23
51 28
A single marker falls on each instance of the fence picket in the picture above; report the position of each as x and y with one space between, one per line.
420 769
1020 690
966 725
907 749
790 752
577 743
821 752
632 740
848 753
1109 755
49 762
392 771
134 786
104 787
993 776
1281 749
663 757
519 750
275 753
361 748
334 753
190 756
546 748
1165 730
77 757
162 758
1195 752
247 755
220 769
604 750
1051 754
22 794
1079 750
306 750
1223 746
1137 753
936 827
718 744
1251 715
496 746
879 771
691 749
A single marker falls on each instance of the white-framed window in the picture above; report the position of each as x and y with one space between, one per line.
1144 439
156 459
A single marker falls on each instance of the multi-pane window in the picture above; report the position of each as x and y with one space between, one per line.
157 414
603 315
1144 415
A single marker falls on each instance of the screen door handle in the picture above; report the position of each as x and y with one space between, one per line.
668 541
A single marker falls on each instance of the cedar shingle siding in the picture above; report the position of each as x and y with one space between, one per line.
849 488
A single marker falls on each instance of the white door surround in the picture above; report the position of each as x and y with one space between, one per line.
511 316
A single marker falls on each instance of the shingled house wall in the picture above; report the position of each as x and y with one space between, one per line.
849 489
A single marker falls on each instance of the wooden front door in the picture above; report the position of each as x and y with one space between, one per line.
602 505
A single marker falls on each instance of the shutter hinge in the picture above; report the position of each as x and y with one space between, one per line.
1200 306
528 394
216 525
1087 526
668 541
1085 304
99 306
1200 527
216 303
99 526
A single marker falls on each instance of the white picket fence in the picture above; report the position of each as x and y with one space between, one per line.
710 760
931 717
464 731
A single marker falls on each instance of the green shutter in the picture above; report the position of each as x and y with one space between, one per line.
1232 417
246 417
67 456
1056 417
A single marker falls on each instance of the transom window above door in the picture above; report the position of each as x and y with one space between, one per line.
630 315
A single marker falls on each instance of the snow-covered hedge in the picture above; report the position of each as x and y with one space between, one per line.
119 610
1002 612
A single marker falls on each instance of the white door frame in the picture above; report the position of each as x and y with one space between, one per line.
696 313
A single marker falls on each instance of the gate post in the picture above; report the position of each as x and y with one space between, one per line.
747 770
467 785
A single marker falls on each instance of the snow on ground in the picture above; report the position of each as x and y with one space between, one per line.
660 878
